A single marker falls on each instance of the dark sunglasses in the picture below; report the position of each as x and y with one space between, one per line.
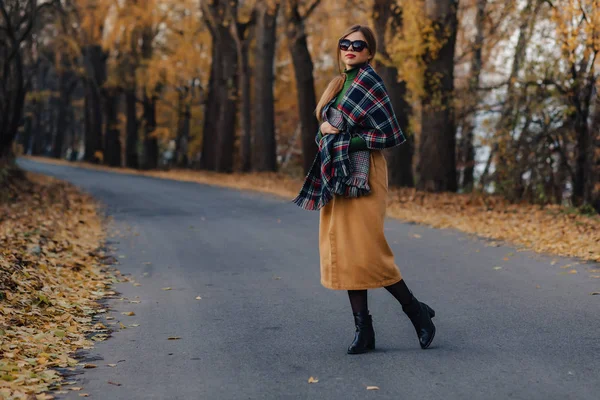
357 45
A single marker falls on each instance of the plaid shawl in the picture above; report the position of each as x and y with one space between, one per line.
366 111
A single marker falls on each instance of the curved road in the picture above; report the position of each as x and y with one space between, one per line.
264 324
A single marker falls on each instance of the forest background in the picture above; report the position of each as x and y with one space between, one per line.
495 96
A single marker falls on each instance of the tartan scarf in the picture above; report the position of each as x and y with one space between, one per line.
366 111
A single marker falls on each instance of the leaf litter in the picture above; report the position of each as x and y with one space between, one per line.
53 271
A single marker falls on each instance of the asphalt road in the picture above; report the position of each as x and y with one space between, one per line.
264 324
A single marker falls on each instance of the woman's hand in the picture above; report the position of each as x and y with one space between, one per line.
327 128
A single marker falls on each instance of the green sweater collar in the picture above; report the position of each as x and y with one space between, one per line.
351 74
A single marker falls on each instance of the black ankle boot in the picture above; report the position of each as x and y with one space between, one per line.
364 338
420 315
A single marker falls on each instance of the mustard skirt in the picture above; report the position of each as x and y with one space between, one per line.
354 252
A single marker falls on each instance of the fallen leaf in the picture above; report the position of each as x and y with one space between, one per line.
135 301
84 395
497 268
134 325
109 318
43 396
111 365
312 380
122 326
573 271
173 338
505 259
128 313
75 388
198 298
372 387
114 383
137 284
595 293
166 288
89 366
416 236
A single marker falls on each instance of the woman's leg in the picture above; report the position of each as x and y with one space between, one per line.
364 337
401 292
358 301
420 314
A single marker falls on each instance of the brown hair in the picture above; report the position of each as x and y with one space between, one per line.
337 83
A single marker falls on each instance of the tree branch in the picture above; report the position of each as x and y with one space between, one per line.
310 9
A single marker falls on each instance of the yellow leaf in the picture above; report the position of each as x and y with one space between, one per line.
128 313
166 288
372 387
312 380
75 388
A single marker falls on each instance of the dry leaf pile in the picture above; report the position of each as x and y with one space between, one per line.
50 279
551 229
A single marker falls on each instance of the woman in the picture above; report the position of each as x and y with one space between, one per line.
348 184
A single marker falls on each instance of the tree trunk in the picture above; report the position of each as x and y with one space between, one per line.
112 140
245 87
212 110
150 159
399 159
265 145
183 128
437 163
594 199
67 84
36 139
131 145
95 62
227 98
466 149
305 84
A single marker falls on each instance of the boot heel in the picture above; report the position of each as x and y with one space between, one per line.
371 346
430 311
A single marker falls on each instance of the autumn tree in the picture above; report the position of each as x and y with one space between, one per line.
297 13
17 20
387 18
437 163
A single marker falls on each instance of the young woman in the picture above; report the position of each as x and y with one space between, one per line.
348 184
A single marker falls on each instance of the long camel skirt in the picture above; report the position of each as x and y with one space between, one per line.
353 250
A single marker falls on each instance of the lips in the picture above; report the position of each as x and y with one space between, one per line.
350 56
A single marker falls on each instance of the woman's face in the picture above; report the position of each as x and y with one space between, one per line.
352 57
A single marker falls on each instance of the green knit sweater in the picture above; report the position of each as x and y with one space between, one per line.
356 143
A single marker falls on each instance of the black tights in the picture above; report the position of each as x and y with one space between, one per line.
358 298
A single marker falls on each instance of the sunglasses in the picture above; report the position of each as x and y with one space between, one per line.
357 45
